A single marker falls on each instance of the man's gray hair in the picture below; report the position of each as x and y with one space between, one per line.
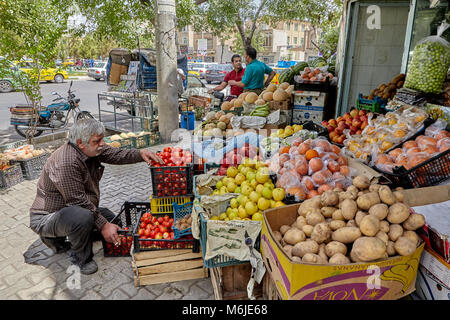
84 129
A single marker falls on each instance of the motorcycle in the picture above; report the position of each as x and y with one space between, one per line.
221 97
54 116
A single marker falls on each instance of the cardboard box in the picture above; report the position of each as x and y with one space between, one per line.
435 232
390 279
281 105
308 105
430 288
436 266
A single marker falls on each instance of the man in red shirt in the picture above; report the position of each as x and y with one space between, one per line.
236 75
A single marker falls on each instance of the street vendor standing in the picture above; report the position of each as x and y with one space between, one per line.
235 75
253 79
68 193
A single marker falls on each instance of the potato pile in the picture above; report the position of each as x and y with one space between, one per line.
367 222
183 223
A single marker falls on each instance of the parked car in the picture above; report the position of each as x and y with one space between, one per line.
7 83
217 72
50 74
201 67
98 71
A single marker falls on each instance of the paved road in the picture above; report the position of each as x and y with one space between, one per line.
85 88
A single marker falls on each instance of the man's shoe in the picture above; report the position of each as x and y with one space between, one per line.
89 268
58 245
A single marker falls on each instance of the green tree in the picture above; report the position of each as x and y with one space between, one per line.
32 29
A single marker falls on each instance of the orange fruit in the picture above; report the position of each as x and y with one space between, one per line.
311 154
308 182
401 160
333 166
324 145
323 188
416 160
335 149
311 194
426 141
284 149
302 168
430 149
383 159
319 178
315 164
303 148
342 161
410 144
442 134
413 151
395 153
344 170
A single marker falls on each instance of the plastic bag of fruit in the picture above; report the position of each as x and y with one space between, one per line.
430 62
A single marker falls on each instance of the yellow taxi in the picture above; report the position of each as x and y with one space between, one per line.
49 74
195 73
68 62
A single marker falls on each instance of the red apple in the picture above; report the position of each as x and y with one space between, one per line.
332 123
362 112
339 130
330 128
356 117
333 134
324 123
341 139
347 116
339 119
159 235
348 122
363 118
356 123
359 132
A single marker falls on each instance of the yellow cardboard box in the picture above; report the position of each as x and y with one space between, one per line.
389 279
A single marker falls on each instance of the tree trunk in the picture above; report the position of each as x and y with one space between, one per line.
166 66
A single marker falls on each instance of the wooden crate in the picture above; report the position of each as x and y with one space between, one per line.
269 289
281 105
163 266
199 101
230 283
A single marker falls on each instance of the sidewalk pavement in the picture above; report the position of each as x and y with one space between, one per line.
30 270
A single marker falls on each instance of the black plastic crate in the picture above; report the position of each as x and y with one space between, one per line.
144 244
126 219
10 176
428 173
322 86
32 168
172 181
312 126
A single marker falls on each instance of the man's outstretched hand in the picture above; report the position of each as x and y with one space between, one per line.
148 156
109 233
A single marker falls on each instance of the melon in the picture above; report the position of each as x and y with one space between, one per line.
243 95
221 125
210 115
284 85
272 87
226 106
268 96
224 118
251 97
219 114
210 126
238 103
216 132
280 95
260 102
232 101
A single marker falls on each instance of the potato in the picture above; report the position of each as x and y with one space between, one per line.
334 247
307 229
366 201
277 235
307 205
399 195
386 195
395 232
329 198
327 212
370 225
337 224
361 182
296 259
346 235
321 233
337 215
414 222
398 213
359 216
353 189
379 210
322 252
383 236
354 258
412 235
339 258
384 226
293 235
405 246
351 223
369 249
300 222
374 187
288 249
349 209
347 195
314 217
338 190
294 225
284 228
313 258
304 247
390 248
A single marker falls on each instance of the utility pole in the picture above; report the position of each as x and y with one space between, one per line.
166 67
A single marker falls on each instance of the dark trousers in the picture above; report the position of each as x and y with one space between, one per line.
77 224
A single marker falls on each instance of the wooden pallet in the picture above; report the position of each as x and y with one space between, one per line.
152 267
230 283
269 288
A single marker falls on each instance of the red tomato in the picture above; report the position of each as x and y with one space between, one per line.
141 232
147 232
160 220
152 234
166 235
167 149
162 229
171 221
145 215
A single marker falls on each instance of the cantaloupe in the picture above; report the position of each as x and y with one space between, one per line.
271 87
280 95
243 95
238 103
260 102
221 125
219 114
284 85
210 115
268 96
232 101
290 89
224 119
251 97
226 106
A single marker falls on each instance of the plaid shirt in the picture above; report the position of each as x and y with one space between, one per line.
71 178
